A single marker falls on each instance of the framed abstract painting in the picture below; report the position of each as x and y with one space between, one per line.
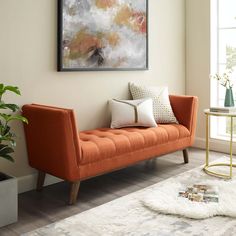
102 35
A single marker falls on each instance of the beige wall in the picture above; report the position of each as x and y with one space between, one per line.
28 60
198 56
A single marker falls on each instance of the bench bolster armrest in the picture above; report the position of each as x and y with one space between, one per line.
185 109
52 141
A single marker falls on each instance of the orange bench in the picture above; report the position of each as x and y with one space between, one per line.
56 147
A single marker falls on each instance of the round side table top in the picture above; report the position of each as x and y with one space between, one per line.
230 114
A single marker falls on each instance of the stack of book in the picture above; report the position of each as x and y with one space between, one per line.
200 193
223 109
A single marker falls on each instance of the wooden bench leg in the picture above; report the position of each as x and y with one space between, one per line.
185 154
74 192
40 182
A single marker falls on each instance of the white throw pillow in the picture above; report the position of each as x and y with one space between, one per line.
162 109
127 113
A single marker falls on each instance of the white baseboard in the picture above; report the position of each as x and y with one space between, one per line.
28 182
215 145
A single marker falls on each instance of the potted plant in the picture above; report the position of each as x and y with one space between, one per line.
225 81
8 184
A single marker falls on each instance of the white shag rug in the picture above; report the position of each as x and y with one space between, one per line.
138 213
166 200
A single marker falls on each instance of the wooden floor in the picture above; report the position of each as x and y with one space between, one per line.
39 209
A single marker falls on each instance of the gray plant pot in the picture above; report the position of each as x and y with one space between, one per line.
8 200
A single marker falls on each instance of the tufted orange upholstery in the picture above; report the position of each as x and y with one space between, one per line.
100 144
56 147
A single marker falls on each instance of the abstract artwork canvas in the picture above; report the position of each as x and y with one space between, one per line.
102 35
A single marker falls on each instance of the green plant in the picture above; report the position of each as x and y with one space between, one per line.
7 138
230 57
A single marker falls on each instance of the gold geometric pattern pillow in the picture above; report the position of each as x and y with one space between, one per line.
162 109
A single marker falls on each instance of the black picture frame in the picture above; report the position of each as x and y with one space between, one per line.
61 67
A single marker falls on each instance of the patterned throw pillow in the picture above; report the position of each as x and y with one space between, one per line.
162 110
127 113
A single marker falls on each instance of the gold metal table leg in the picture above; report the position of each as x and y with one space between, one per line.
207 165
231 147
207 140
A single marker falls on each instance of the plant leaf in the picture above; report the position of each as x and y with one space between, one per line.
13 143
5 116
5 150
8 118
1 88
8 157
2 146
12 89
18 117
9 137
6 130
12 107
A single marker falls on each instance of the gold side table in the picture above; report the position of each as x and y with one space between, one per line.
207 166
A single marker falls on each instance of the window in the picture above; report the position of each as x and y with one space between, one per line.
223 57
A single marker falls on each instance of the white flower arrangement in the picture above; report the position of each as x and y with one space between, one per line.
224 79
